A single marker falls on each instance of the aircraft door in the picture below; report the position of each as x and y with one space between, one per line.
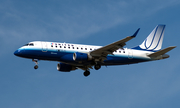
130 54
44 46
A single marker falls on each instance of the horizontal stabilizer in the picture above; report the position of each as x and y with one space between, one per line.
161 52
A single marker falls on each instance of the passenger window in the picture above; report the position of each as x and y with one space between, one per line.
85 48
119 51
90 48
73 47
64 47
51 45
69 47
123 51
60 46
56 46
81 48
77 48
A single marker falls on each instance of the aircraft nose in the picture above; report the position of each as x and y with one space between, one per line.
16 53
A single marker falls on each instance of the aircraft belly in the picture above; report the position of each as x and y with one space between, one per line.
117 60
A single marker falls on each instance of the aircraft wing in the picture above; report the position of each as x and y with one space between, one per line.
109 49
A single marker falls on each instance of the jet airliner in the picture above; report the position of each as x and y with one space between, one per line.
77 56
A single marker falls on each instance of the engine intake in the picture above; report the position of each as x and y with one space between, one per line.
65 67
81 57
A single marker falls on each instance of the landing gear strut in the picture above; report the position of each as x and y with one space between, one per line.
36 61
97 66
86 73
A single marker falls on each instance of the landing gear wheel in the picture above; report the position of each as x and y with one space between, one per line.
36 67
86 73
35 61
97 66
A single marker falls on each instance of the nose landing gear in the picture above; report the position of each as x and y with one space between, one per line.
36 67
36 62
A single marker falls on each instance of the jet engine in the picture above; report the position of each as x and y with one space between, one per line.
81 57
65 67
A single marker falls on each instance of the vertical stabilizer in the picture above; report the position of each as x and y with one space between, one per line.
155 39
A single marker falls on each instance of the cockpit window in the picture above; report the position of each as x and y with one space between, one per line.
26 44
30 44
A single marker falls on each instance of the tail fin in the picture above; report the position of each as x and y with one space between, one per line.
154 41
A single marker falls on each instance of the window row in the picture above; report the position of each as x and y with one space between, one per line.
61 44
71 47
122 51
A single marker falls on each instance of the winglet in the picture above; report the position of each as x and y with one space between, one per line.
134 35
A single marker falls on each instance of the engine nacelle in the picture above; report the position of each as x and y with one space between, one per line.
81 57
65 67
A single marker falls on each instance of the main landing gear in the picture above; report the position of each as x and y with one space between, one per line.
36 61
97 66
86 73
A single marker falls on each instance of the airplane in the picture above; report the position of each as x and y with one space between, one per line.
77 56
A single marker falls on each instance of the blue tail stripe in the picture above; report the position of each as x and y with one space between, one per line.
160 37
152 39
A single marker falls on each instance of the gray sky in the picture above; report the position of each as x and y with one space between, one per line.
152 84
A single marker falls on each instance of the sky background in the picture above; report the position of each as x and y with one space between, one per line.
95 22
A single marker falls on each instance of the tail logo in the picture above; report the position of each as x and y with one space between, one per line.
155 39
